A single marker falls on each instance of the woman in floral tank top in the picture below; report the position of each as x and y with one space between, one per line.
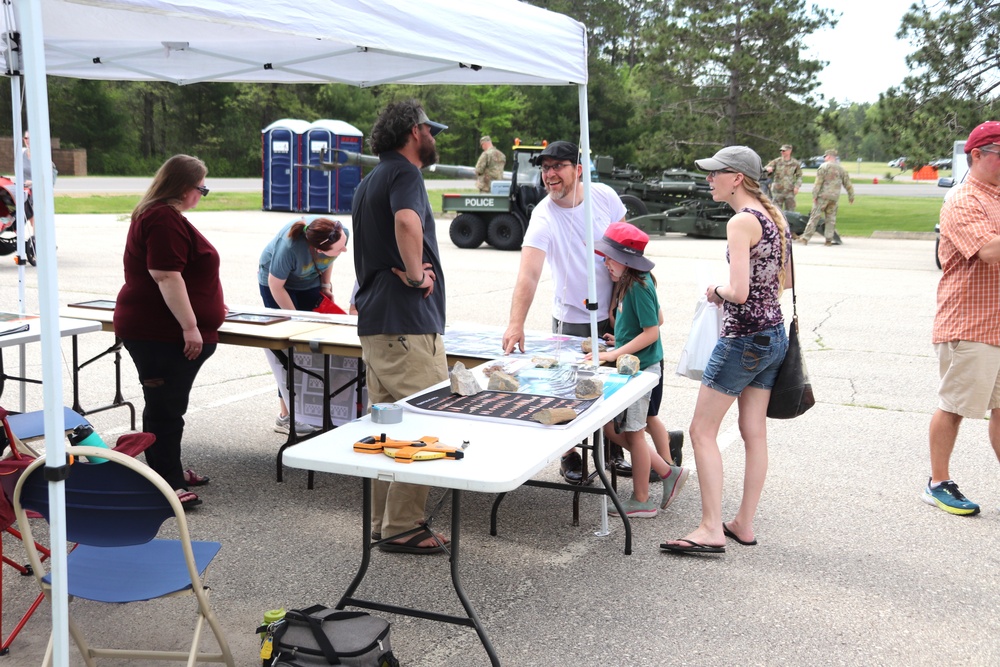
745 362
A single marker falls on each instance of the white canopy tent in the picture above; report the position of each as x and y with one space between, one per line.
358 42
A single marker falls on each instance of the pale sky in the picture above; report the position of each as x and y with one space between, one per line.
864 55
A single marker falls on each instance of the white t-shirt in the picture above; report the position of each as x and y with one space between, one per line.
561 233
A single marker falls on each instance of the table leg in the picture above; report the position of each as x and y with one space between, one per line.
118 400
471 619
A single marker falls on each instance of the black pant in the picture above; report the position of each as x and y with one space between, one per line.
582 330
166 377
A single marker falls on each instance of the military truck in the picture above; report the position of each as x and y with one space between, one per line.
501 217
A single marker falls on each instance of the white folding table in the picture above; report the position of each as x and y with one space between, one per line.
500 457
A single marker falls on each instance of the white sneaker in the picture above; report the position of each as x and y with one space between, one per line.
281 426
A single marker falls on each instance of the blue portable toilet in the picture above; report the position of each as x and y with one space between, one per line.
282 150
330 191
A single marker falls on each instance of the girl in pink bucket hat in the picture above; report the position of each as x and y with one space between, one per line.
635 311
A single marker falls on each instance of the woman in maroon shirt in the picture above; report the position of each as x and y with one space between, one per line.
169 311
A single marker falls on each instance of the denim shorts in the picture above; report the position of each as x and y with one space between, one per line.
753 361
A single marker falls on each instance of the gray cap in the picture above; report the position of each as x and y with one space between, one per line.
422 119
485 138
739 158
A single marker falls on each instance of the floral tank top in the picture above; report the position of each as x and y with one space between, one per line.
762 310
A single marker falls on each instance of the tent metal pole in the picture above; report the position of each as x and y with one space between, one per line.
28 16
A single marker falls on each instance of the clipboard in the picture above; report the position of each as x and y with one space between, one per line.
96 304
255 318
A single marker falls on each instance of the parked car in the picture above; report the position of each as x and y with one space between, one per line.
813 162
898 163
941 163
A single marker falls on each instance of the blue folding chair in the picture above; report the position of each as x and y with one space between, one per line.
114 511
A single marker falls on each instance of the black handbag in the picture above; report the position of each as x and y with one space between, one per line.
792 393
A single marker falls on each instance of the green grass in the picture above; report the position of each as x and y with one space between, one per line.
866 215
123 204
895 214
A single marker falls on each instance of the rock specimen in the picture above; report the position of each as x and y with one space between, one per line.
587 346
544 362
551 416
500 381
628 364
463 382
590 387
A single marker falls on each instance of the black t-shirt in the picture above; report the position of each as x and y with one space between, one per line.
386 305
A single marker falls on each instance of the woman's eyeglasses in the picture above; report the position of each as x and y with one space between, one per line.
335 234
716 172
203 190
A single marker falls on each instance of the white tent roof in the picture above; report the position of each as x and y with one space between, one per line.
359 42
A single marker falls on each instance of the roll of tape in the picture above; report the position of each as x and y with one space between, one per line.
387 413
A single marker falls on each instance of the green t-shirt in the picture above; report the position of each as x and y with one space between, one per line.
639 309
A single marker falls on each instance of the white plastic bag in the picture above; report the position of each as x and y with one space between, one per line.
701 341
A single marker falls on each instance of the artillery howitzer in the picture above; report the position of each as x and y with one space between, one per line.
678 201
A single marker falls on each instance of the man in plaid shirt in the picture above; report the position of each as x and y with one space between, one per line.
967 324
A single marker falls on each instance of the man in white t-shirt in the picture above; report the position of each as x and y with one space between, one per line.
558 233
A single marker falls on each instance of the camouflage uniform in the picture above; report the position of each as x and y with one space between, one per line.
826 192
489 168
786 178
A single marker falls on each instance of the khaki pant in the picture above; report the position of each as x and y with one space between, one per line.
826 210
785 200
398 366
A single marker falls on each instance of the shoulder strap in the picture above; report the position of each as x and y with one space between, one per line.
304 616
791 264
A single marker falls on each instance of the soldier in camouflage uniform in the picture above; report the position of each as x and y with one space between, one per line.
826 192
786 178
489 167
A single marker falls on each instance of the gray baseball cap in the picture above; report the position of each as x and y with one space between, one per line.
422 119
738 158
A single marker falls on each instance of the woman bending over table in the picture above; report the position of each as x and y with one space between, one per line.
294 274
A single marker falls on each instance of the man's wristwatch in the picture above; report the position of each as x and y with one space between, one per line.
415 283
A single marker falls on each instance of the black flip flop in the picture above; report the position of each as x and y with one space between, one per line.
731 535
410 546
692 548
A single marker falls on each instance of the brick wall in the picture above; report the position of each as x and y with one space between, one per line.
69 161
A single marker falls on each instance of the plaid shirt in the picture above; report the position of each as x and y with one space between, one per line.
968 298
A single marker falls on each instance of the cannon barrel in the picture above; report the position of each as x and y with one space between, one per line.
342 158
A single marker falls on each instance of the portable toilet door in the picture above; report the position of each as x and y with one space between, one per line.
331 191
281 144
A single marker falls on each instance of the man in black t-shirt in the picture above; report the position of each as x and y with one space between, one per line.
401 296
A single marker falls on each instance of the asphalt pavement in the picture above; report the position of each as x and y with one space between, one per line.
852 568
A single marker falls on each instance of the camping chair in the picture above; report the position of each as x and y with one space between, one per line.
114 511
18 459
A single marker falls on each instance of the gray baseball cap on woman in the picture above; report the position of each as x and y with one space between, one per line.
738 158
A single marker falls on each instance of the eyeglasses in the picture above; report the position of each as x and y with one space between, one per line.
987 150
546 168
203 190
716 172
335 234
